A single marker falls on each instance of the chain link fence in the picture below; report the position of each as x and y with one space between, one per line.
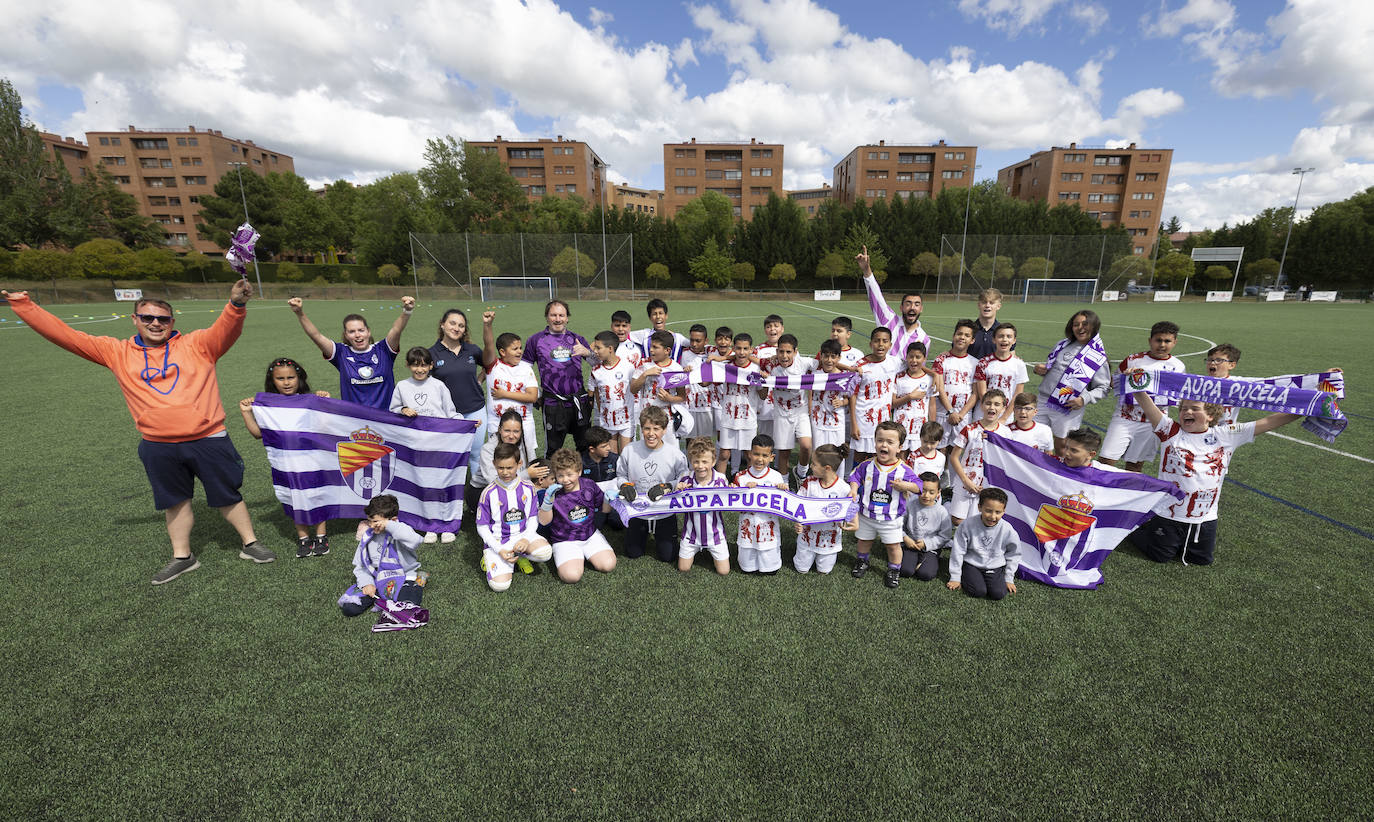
1044 266
582 266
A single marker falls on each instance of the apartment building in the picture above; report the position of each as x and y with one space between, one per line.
884 172
640 200
168 170
1116 186
810 199
746 173
547 166
70 152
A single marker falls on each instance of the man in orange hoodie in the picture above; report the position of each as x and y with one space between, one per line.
169 383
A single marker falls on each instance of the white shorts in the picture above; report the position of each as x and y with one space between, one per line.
888 533
1136 441
827 436
862 445
497 567
579 549
628 432
718 551
963 505
1060 423
787 430
703 423
805 557
736 439
755 559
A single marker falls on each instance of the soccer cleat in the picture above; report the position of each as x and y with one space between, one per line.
860 568
627 491
656 493
447 537
175 568
524 565
257 553
892 578
305 546
321 545
430 538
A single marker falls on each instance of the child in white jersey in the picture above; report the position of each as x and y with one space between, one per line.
829 410
791 421
966 457
648 382
913 403
625 348
1001 369
927 530
739 404
699 396
881 485
873 394
986 550
507 522
819 545
418 395
953 372
1196 457
759 544
723 352
764 353
511 382
1129 435
928 457
703 530
1024 428
615 404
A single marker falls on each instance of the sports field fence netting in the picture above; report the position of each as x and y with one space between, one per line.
581 266
1013 263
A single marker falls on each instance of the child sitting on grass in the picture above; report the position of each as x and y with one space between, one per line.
285 376
386 565
506 520
927 530
986 551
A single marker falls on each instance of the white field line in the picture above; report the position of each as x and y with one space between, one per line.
1321 447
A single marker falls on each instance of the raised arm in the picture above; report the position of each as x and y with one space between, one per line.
1264 425
322 342
49 327
489 353
1152 412
393 337
882 312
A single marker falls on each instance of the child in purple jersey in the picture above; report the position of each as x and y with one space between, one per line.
570 507
506 520
385 565
365 367
881 485
703 530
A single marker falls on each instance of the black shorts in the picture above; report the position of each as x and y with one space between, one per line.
173 468
1164 540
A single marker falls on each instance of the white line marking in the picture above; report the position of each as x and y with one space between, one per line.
1321 447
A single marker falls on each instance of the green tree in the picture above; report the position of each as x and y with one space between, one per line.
340 202
570 263
388 272
289 272
657 272
45 264
987 269
741 274
1172 227
711 266
35 189
710 216
783 273
157 264
1217 272
305 217
484 267
426 274
831 267
386 213
925 265
1261 272
104 259
222 212
859 238
106 210
1034 268
197 265
1173 269
469 189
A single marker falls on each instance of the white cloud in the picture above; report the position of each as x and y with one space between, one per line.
1017 16
1203 15
684 55
598 17
1092 16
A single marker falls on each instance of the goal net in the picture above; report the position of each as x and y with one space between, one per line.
1059 291
517 289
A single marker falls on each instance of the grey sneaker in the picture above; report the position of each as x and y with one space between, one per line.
176 568
257 553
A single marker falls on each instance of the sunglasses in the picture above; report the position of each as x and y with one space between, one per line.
149 319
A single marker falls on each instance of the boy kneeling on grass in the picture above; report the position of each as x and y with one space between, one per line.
506 520
569 509
986 551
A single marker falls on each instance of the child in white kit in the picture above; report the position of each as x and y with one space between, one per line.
821 544
928 529
913 395
966 457
739 406
1001 369
829 410
791 417
764 353
1129 434
1024 428
954 381
760 535
511 382
700 398
615 404
873 395
928 457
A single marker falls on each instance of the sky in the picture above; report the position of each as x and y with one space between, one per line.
1243 92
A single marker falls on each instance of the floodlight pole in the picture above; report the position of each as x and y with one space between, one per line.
605 275
1301 172
963 244
244 198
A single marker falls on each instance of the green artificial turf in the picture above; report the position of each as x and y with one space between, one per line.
1239 691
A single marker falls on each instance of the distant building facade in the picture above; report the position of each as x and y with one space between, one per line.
70 152
745 173
1122 186
811 199
545 167
916 172
640 200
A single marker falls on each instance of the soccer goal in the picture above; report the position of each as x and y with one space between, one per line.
1059 291
517 289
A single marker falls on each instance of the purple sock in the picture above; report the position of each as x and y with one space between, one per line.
894 566
863 557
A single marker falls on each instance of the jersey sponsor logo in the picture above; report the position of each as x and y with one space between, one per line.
881 496
365 371
578 513
515 516
561 353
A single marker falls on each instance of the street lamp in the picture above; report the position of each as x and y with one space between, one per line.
963 244
244 198
1301 172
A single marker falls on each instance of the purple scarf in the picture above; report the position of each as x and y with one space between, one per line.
1078 373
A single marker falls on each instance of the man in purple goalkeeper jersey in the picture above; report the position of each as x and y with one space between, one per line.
558 354
569 509
906 327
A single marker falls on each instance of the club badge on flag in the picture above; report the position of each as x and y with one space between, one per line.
330 457
1069 519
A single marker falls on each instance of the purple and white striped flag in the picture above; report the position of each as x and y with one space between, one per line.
1068 519
329 457
711 372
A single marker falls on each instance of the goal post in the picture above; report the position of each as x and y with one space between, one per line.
1059 291
517 289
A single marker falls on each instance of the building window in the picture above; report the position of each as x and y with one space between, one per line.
1075 158
104 141
193 200
151 145
162 219
157 201
1094 198
519 172
1111 198
558 189
1143 195
114 161
735 211
685 190
178 239
952 175
173 201
1075 177
1145 214
147 162
760 172
1135 215
194 181
734 174
1110 160
761 153
538 191
572 188
1140 249
760 191
181 141
122 179
160 182
954 155
875 193
1109 216
904 176
877 174
685 152
526 153
715 174
191 161
1147 178
1069 195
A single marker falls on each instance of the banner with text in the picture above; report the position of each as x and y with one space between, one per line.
1309 395
805 510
